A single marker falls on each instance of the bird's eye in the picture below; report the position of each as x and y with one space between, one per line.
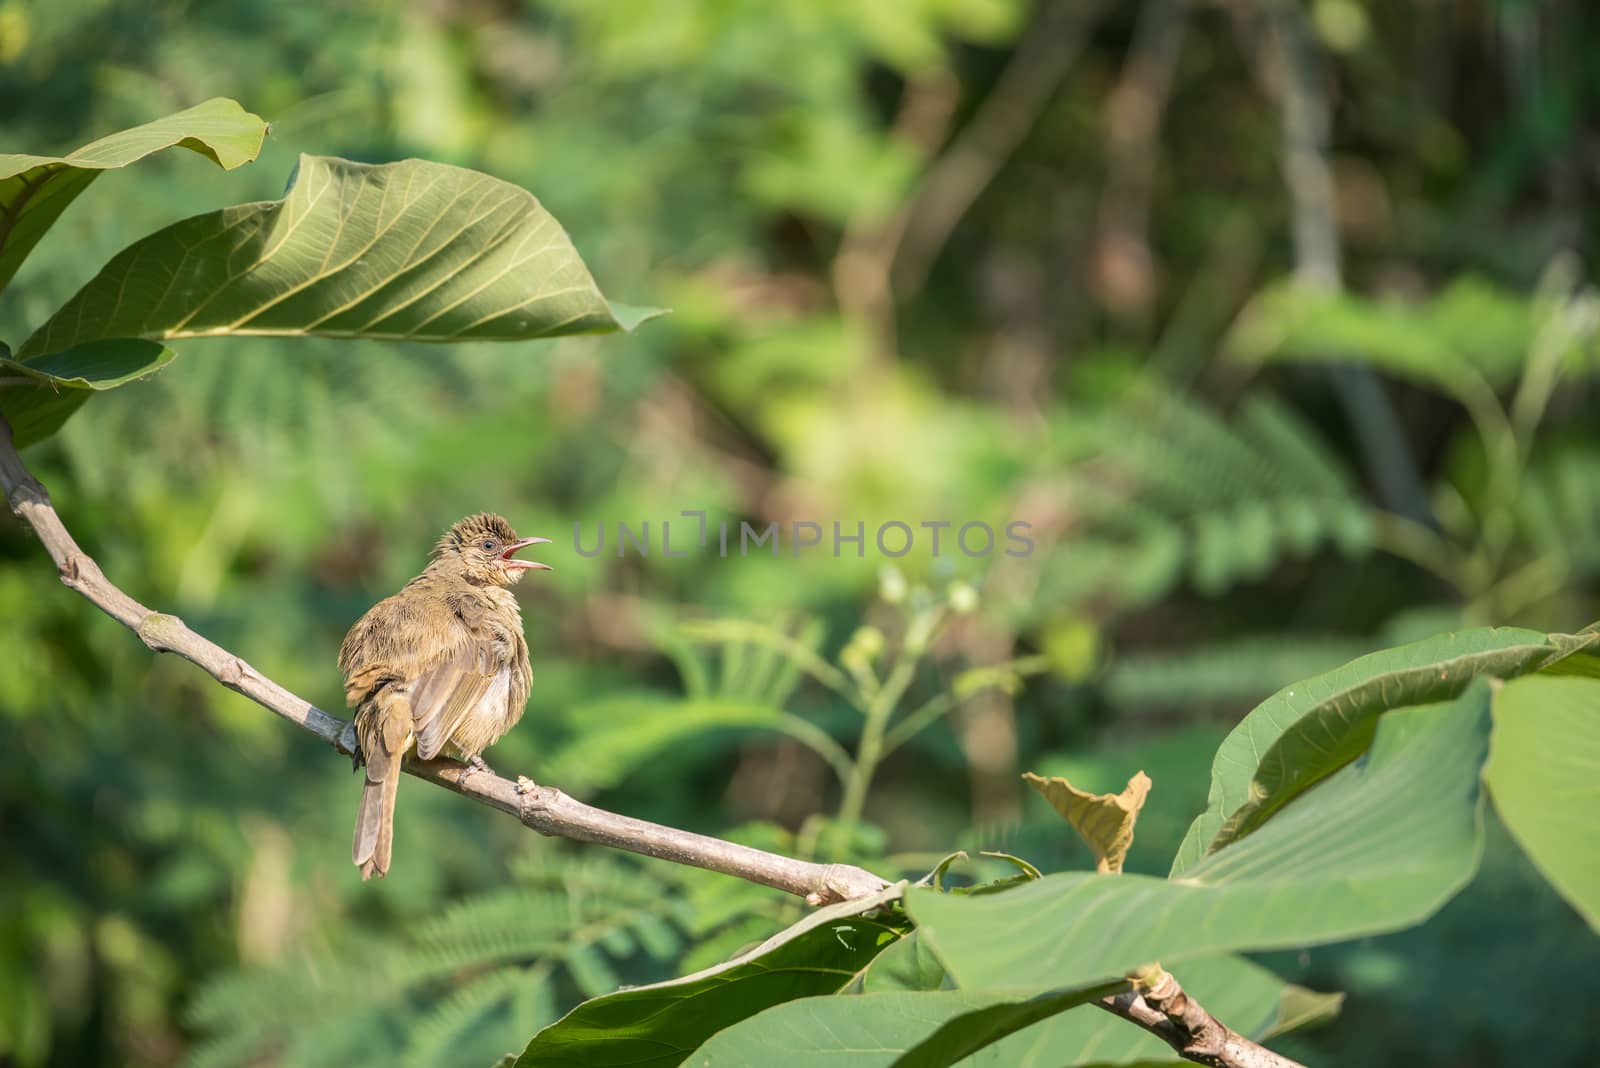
488 546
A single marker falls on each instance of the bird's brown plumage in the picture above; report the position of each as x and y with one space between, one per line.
441 665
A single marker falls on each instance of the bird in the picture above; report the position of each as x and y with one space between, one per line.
441 666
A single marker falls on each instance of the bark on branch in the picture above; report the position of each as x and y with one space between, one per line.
543 808
1160 1005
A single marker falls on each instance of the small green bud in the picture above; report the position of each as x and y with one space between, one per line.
962 597
891 585
869 640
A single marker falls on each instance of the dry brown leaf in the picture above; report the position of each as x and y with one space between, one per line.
1105 821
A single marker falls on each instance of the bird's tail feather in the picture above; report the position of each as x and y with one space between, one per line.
374 838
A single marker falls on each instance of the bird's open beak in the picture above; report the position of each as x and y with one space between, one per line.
524 565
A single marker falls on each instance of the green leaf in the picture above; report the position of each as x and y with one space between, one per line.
409 251
933 1029
1309 729
872 1030
661 1024
629 316
907 965
63 381
35 190
1544 776
1377 847
1245 996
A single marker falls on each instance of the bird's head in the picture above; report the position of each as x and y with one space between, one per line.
482 549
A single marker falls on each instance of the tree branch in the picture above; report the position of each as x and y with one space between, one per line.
1162 1009
1160 1006
543 808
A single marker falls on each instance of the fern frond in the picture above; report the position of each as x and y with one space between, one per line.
348 1031
477 975
431 1038
590 969
800 650
656 936
1302 463
592 874
693 670
728 941
1470 336
233 1048
1167 489
1235 672
622 733
489 929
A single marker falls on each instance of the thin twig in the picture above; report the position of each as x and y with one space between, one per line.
1161 1007
940 704
543 808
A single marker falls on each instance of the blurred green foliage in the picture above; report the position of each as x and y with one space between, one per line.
1212 520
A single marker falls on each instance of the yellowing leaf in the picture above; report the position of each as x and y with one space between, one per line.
1105 821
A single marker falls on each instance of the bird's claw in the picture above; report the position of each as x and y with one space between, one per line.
476 764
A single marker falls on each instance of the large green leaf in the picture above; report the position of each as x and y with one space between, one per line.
1245 996
35 190
661 1024
907 965
409 251
872 1030
57 384
1544 776
931 1029
1377 847
1309 729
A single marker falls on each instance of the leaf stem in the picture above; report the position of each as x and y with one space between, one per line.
820 742
869 752
798 653
936 707
879 711
1504 458
1415 543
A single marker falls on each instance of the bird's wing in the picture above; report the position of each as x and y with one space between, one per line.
475 667
444 696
